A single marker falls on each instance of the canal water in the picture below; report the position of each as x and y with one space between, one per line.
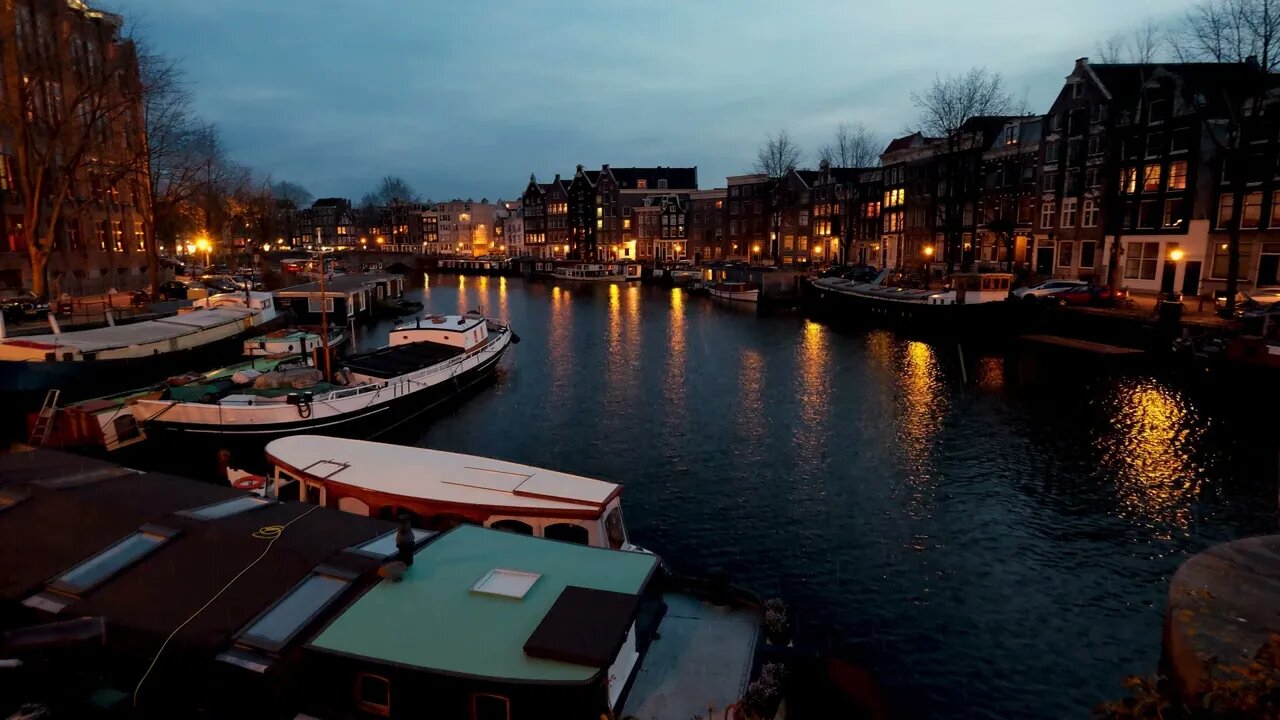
991 549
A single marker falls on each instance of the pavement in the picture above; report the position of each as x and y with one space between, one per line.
89 311
1195 311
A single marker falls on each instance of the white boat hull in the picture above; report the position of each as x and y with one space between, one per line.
736 295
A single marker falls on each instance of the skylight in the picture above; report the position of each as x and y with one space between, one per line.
274 628
384 545
226 508
112 560
506 583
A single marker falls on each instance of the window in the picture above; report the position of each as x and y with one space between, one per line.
1047 211
1155 144
1174 212
313 305
1151 178
1226 210
373 694
274 628
1148 214
1180 140
1051 150
804 218
733 191
226 508
1252 210
642 184
1024 211
1097 144
567 532
1049 182
1064 253
1087 251
1011 135
1140 260
1157 111
1275 210
1098 113
1055 123
733 208
513 526
894 197
1178 175
733 227
1077 89
1069 213
490 707
662 183
125 552
1090 216
1222 258
6 173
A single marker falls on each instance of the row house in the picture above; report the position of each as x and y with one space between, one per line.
431 244
621 190
908 211
864 200
465 227
960 164
749 212
508 229
64 48
646 221
836 196
545 207
790 227
1010 167
707 239
329 223
673 232
585 214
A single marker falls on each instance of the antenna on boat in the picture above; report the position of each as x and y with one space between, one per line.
324 317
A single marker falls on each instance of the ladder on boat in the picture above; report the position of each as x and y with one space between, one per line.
44 420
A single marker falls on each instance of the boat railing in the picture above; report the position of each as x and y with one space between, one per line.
452 366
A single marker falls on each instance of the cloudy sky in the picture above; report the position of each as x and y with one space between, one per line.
466 98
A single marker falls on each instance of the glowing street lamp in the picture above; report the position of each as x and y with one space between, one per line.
203 244
1176 255
928 266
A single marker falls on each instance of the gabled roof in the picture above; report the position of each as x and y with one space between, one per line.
906 142
677 178
1201 84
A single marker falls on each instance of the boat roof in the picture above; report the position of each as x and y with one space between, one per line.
389 362
456 323
434 619
438 475
148 331
338 285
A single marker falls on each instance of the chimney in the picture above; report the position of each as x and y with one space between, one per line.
1251 62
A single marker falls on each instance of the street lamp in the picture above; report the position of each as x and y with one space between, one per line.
1176 255
755 251
203 244
928 266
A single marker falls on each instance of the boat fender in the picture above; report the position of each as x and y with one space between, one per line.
249 482
515 339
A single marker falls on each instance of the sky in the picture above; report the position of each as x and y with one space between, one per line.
465 98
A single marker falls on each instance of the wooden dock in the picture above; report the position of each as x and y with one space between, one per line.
1085 346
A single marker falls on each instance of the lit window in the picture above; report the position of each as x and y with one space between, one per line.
1047 211
273 629
1151 178
1090 216
1252 210
1178 175
1129 180
626 223
107 563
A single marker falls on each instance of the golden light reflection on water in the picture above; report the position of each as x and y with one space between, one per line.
813 382
988 373
502 300
751 397
1156 477
560 337
462 294
922 405
674 384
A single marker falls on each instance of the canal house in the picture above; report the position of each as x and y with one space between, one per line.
344 298
489 625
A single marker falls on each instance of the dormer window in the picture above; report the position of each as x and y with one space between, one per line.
642 184
1077 89
1157 111
662 183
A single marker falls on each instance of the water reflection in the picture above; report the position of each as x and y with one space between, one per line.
503 313
560 339
1150 452
922 404
676 349
462 293
813 378
751 378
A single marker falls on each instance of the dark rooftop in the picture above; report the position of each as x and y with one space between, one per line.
345 284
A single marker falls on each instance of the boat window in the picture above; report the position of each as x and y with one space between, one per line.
490 707
514 526
567 532
384 545
613 528
274 628
102 566
373 694
225 508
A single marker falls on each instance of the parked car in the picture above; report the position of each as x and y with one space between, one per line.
182 290
220 284
22 305
1049 287
1083 294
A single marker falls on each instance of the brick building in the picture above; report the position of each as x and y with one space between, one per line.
1006 218
707 239
748 216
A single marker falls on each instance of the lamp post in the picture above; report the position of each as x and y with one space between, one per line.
755 252
928 266
203 244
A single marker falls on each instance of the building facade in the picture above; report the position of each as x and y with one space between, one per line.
707 240
465 228
63 48
1006 218
748 216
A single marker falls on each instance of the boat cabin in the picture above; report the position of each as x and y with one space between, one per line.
588 271
441 489
489 625
344 296
973 288
463 331
291 341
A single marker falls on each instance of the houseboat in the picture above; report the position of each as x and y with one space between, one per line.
442 488
426 363
293 341
261 608
88 363
344 298
976 302
587 272
735 291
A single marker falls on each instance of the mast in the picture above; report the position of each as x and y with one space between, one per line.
324 316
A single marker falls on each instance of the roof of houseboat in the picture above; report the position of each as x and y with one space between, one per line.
436 619
437 475
337 285
140 333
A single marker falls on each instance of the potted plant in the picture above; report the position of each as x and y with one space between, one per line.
777 622
764 694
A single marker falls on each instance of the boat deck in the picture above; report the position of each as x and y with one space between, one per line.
390 362
698 665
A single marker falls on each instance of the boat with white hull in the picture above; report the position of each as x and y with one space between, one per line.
89 363
736 291
590 273
975 302
426 363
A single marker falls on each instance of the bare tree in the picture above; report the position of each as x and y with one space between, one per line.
852 146
778 155
390 189
1145 44
944 108
293 192
1235 31
58 122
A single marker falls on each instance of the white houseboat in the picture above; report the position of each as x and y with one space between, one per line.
975 302
587 272
736 291
441 489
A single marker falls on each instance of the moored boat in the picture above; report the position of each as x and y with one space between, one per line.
439 489
587 272
736 291
426 363
974 303
88 363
